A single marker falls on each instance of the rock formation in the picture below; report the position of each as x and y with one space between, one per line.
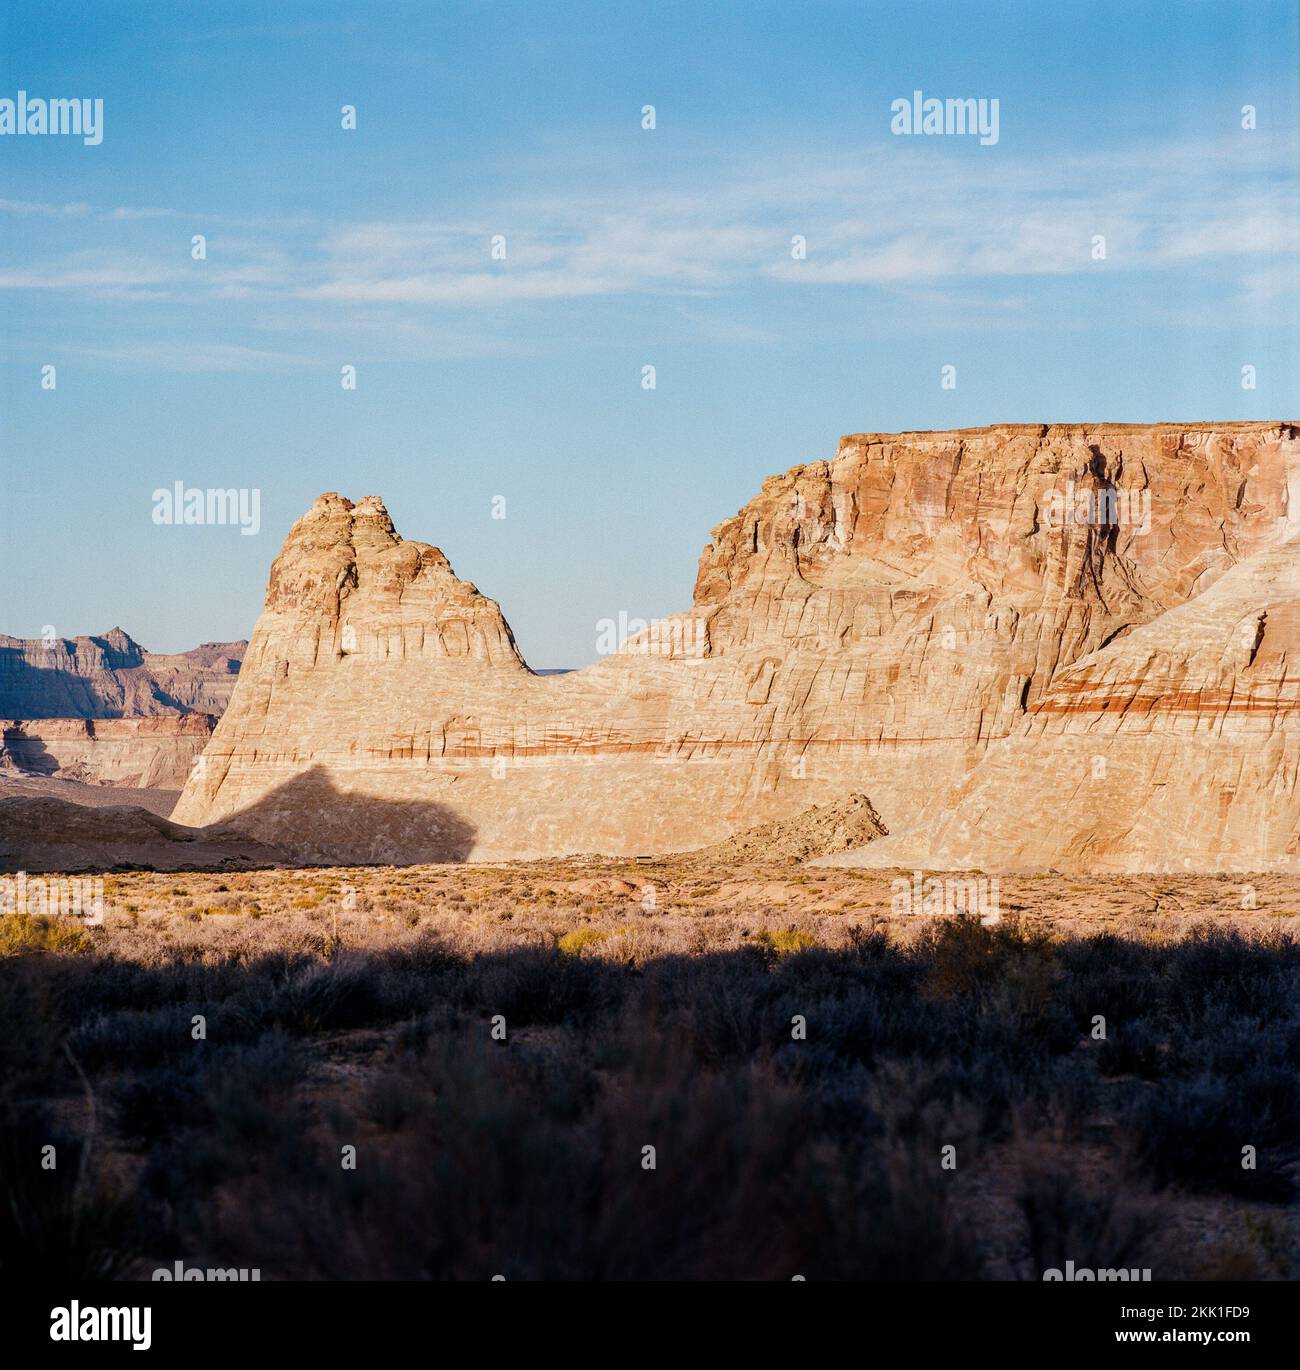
888 623
1176 748
112 677
103 711
155 752
823 830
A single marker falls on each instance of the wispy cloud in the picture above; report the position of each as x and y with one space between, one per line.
884 220
144 212
185 356
92 271
37 207
899 219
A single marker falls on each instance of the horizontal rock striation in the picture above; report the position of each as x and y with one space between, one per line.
112 677
139 753
884 623
1174 749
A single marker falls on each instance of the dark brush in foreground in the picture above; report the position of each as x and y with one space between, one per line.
939 1110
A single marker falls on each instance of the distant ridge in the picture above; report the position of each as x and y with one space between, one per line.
113 676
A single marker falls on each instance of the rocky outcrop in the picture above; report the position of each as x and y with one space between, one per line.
112 677
879 623
103 711
820 831
139 753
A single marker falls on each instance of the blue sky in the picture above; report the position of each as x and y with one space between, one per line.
624 248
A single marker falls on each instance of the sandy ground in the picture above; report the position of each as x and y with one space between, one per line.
674 904
161 802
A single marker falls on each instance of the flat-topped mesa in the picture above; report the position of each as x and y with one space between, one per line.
112 676
945 504
959 561
870 624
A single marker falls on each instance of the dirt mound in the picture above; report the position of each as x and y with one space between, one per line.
39 834
16 783
820 831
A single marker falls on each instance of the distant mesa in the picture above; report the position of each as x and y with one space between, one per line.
1033 646
103 710
113 677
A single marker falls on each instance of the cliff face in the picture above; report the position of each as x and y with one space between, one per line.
880 623
155 752
104 711
112 677
1174 749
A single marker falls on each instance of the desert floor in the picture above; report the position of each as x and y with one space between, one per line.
684 905
456 1072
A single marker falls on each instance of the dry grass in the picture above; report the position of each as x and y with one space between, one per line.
485 908
24 933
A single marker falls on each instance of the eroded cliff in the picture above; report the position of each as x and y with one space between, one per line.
879 623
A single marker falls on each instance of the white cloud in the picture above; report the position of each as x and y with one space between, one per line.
91 272
899 217
181 355
885 218
37 207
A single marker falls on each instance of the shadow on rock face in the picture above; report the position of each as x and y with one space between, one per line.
27 753
310 819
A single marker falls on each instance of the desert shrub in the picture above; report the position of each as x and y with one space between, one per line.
786 941
31 1030
1135 1046
1191 1132
237 1117
1214 965
1264 1248
63 1224
580 939
22 934
534 986
776 1152
964 957
323 996
1096 1223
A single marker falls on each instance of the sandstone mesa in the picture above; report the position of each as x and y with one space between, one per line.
104 711
901 622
